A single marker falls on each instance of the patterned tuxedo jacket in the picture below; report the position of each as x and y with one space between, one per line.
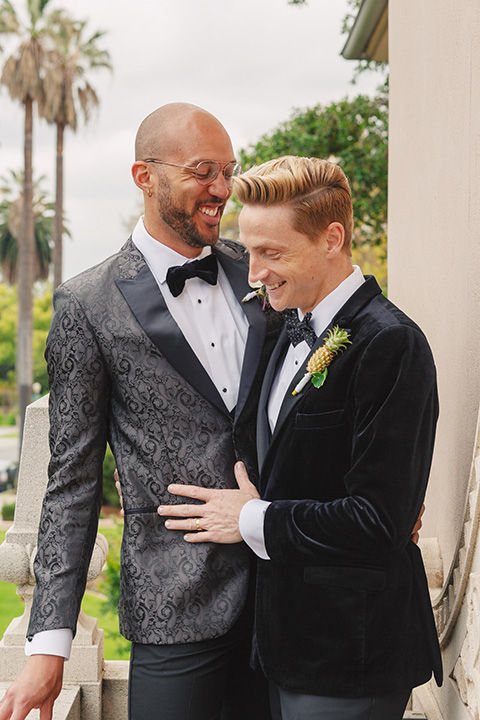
121 371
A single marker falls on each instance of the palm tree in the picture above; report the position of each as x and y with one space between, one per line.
11 207
68 92
23 77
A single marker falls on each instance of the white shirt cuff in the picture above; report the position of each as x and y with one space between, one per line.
250 523
50 642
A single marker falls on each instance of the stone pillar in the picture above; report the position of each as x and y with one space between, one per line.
84 670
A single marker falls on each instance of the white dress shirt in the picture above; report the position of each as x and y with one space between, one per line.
215 327
253 512
209 316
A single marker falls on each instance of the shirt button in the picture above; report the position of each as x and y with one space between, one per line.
199 301
224 390
212 344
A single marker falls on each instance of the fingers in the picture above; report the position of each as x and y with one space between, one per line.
193 524
46 712
418 524
37 686
243 480
194 527
191 491
179 511
119 490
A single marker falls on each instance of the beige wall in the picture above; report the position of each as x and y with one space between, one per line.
434 223
434 275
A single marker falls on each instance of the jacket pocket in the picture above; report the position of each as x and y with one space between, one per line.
313 421
354 578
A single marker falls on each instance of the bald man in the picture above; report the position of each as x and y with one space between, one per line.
153 352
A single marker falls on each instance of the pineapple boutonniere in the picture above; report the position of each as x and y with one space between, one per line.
260 293
317 367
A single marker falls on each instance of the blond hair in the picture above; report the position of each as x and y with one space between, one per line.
316 190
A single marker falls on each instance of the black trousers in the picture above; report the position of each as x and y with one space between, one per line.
207 680
287 705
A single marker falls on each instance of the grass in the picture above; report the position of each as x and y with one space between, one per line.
116 647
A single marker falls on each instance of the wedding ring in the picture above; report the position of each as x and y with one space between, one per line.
197 524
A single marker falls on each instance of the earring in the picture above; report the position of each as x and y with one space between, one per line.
149 193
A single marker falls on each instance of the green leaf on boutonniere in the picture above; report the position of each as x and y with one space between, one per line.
319 378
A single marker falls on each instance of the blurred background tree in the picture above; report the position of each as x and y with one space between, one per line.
354 134
68 93
22 75
11 208
48 69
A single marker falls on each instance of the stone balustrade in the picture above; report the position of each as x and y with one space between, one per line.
93 688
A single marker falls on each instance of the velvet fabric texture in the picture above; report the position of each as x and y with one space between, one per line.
343 607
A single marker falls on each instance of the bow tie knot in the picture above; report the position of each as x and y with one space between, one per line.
299 330
206 269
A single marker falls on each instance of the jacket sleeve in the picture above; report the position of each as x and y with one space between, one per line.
79 399
392 410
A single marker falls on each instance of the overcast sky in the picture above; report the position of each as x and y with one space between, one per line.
249 62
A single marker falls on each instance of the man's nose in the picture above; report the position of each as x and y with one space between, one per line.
220 187
257 273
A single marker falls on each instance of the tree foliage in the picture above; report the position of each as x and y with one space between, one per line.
68 93
11 208
72 57
352 133
42 315
22 75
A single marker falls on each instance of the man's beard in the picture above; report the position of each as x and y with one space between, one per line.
182 223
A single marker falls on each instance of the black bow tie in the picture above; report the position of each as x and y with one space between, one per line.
298 330
206 269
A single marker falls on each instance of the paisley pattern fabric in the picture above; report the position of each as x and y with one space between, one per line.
109 382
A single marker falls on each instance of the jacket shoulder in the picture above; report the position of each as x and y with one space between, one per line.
232 248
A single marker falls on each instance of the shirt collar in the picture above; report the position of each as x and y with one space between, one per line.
325 311
160 257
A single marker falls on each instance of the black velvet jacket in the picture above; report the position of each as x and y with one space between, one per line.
343 607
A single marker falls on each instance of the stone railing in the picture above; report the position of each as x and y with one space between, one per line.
94 689
456 605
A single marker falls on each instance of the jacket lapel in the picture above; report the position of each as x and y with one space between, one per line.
263 427
148 305
237 274
343 319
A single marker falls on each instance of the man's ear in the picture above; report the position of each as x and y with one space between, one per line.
335 237
141 176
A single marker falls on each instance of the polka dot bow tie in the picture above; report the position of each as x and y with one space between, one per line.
206 269
298 330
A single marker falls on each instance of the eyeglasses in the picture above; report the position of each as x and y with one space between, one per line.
207 170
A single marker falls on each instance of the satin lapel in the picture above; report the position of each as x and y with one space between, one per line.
343 319
148 305
236 271
263 426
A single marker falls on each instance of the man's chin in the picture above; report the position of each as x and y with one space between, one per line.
209 238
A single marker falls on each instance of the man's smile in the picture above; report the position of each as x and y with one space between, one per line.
271 288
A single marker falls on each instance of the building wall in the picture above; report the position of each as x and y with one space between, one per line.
434 275
434 223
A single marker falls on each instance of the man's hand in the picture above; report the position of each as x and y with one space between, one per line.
216 520
119 490
417 526
37 686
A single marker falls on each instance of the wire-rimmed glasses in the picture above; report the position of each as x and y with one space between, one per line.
207 170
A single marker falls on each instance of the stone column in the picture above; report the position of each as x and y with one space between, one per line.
84 670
